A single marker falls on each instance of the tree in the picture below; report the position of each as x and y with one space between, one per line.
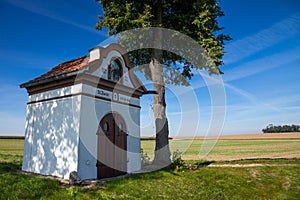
196 19
281 129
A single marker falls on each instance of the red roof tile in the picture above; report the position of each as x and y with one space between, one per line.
81 63
66 67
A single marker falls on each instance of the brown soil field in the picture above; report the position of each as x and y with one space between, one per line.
249 136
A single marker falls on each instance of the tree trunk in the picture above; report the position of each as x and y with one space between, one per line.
162 150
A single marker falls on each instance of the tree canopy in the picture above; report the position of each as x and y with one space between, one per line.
196 19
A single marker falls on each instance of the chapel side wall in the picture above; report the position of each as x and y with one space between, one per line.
28 141
92 111
51 138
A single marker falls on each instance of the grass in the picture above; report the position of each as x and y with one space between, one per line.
203 183
267 161
233 149
211 183
11 146
265 182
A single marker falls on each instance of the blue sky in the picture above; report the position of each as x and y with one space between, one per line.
261 77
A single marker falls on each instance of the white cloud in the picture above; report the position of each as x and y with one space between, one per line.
262 65
250 97
245 47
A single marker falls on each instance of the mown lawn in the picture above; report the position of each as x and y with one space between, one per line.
203 183
276 182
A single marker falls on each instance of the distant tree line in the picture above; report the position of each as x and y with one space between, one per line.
281 129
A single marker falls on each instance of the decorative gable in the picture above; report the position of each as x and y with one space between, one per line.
108 65
114 67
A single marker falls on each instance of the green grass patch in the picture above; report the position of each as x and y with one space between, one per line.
11 147
267 161
264 182
203 183
233 149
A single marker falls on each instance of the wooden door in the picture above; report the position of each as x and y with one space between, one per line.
112 147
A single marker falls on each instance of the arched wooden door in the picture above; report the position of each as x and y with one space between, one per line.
112 146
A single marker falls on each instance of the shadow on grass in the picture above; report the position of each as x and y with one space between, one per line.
10 163
204 163
9 167
15 185
175 170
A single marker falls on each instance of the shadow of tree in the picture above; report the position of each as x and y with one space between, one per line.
15 185
9 167
203 163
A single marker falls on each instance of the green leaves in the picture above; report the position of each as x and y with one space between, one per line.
124 15
196 19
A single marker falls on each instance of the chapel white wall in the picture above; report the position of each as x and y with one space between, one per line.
51 136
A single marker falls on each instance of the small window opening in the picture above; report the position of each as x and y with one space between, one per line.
114 70
106 127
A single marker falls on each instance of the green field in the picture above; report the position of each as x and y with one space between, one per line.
279 181
11 147
234 149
